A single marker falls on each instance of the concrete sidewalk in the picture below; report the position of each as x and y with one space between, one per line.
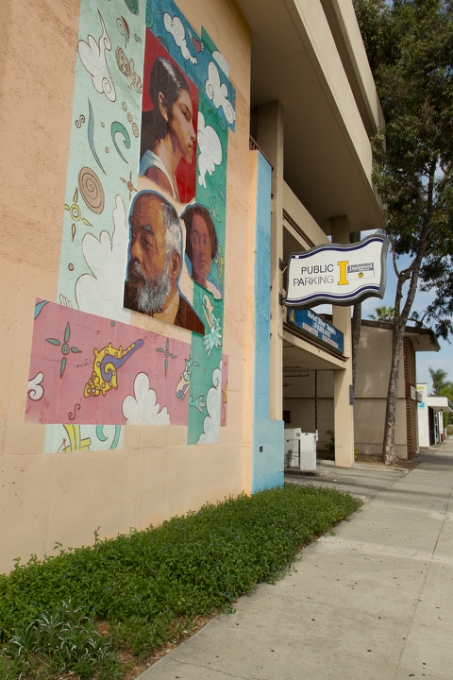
374 601
362 481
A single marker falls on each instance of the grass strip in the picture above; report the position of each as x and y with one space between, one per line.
147 587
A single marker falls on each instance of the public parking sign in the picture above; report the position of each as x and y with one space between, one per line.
338 274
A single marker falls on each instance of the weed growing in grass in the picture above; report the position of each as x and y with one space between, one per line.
61 641
149 585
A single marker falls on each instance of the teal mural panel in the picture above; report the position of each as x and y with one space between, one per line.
103 157
207 351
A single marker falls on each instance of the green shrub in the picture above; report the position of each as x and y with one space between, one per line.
141 583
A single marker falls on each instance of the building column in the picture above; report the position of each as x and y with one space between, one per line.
342 379
270 134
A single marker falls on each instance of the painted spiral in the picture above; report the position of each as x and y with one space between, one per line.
91 190
132 5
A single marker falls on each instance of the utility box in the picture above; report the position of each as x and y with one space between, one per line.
307 458
292 447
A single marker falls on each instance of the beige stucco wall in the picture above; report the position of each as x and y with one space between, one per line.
373 368
349 41
297 211
373 363
320 37
47 498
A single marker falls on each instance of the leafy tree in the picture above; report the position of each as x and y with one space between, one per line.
382 314
410 48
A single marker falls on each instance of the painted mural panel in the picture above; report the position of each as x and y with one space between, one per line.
155 262
70 437
153 108
91 370
103 157
98 371
169 123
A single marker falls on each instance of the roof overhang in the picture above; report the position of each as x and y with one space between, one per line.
440 404
423 340
327 155
303 354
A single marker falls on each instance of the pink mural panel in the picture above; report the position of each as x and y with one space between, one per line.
89 369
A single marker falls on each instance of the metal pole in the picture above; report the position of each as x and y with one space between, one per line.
316 403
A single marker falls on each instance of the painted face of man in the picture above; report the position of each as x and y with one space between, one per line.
150 262
200 242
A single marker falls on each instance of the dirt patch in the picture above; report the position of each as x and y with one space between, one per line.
376 460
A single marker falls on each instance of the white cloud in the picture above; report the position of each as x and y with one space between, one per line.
174 26
222 62
211 427
102 291
92 56
218 93
210 150
35 389
144 409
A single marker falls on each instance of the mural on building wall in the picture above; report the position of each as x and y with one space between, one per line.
169 123
115 374
155 262
137 146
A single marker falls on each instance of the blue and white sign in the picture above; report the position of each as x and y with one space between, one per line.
338 274
310 322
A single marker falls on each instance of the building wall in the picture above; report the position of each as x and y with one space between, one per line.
373 368
299 400
268 434
143 448
370 398
423 417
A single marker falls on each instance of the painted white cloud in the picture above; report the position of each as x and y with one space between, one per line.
210 150
92 56
211 427
218 93
35 389
222 62
144 409
102 291
175 27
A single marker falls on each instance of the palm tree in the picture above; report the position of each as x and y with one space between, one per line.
440 385
382 314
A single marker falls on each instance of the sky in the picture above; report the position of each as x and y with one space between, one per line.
425 360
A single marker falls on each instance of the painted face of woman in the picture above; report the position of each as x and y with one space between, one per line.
200 242
181 126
